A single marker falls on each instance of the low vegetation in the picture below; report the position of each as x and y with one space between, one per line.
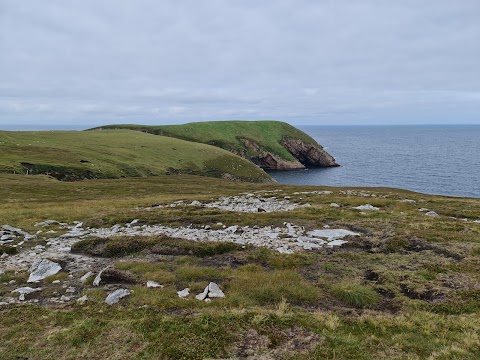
74 155
406 288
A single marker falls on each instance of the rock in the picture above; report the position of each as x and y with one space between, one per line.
336 243
214 291
332 234
335 205
82 299
70 290
183 293
284 250
42 269
432 214
153 284
114 297
97 279
25 290
423 210
85 277
368 207
56 282
202 296
4 255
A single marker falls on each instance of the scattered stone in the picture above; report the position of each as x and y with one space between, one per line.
114 297
367 207
85 277
97 279
41 269
70 290
202 296
82 299
24 291
153 284
183 293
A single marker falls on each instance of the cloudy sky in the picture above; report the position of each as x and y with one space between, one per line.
70 63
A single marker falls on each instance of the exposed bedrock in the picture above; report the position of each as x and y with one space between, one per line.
306 155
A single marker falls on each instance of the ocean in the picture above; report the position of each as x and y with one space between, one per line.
432 159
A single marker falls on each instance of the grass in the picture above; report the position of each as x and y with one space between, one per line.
74 155
356 295
407 288
228 134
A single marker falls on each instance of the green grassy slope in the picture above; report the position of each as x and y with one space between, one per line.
226 134
73 155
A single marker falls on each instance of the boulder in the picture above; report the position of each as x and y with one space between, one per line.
153 284
43 268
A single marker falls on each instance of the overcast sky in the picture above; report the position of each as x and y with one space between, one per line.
71 63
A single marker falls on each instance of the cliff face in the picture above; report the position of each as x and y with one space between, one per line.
306 155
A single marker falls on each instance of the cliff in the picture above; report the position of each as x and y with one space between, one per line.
271 145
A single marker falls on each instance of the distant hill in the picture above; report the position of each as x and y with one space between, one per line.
77 155
269 144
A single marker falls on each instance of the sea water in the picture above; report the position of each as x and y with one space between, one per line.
433 159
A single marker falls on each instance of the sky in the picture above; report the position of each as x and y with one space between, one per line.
78 64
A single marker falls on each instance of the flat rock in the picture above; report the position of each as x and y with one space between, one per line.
114 297
367 207
432 214
42 269
153 284
332 234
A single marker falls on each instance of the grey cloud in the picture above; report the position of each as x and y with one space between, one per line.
85 63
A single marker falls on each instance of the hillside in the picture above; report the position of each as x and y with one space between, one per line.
269 144
74 155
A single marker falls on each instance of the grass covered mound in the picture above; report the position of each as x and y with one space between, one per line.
246 138
74 155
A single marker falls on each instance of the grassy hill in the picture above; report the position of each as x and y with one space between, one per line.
266 136
74 155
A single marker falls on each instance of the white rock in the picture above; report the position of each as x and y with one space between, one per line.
368 207
25 290
42 269
335 205
114 297
336 243
332 234
82 299
56 282
97 279
202 296
86 276
284 250
432 214
70 290
214 291
153 284
183 293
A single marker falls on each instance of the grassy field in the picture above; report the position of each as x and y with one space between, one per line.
73 155
227 134
407 288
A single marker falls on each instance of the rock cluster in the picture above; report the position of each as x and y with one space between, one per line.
241 203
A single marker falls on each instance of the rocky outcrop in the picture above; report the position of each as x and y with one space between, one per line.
308 154
305 155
